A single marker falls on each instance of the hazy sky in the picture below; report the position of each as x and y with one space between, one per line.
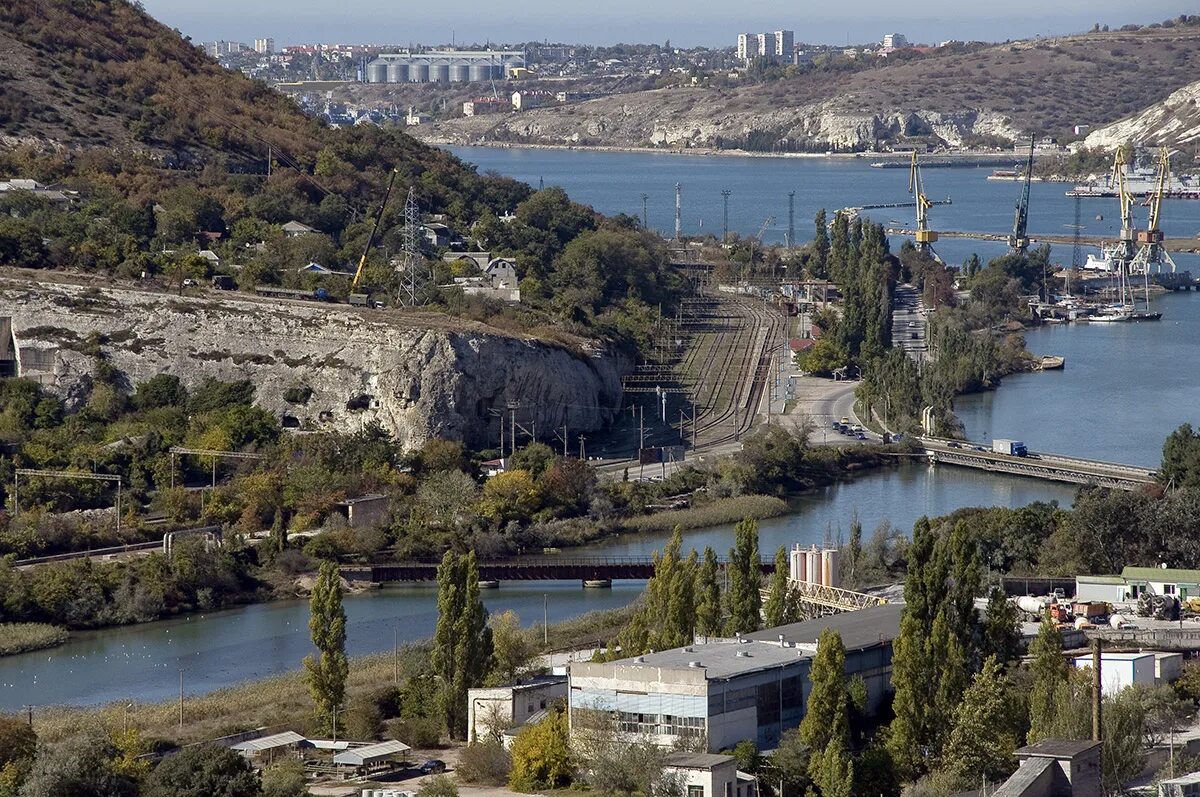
684 22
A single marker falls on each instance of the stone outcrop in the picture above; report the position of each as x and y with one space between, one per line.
420 374
1175 122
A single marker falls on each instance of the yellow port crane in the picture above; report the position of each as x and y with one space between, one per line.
925 237
362 261
1125 244
1150 248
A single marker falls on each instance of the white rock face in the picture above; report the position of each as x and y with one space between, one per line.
1173 122
422 375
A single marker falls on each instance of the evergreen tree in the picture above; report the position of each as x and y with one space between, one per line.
326 675
462 639
834 774
839 249
819 265
1050 685
667 618
775 610
745 569
853 561
708 596
1001 629
984 737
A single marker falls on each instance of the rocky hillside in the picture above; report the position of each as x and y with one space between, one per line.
316 366
1174 122
1006 91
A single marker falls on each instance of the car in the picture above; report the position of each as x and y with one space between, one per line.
856 428
860 435
954 445
837 425
845 420
982 448
913 324
433 766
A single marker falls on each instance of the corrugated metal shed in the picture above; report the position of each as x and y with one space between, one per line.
285 739
371 753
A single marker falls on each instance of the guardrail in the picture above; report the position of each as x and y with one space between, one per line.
1073 470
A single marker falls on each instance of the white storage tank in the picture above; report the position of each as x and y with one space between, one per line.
829 568
813 564
418 73
799 565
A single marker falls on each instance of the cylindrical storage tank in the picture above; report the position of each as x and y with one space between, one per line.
497 71
798 570
812 559
480 73
377 72
829 561
440 73
397 73
460 73
419 73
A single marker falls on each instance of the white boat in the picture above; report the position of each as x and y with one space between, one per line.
1108 262
1112 313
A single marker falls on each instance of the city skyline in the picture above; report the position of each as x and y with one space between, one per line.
376 22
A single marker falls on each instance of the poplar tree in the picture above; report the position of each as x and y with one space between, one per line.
745 568
667 618
326 674
984 736
825 729
1050 674
462 639
1001 629
776 609
708 596
819 266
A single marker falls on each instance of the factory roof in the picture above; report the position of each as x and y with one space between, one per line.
371 753
720 659
1173 575
859 629
1057 748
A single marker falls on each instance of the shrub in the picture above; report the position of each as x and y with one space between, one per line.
484 763
439 786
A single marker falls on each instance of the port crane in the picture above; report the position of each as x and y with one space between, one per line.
925 237
362 261
1018 242
1125 246
1150 248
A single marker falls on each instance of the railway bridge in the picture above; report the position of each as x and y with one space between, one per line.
592 570
1039 465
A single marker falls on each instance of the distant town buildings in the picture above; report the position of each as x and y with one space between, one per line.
894 41
485 105
777 46
264 46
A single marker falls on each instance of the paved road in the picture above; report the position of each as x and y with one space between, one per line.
908 324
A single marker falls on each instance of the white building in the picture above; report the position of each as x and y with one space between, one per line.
709 775
1119 670
777 45
511 706
784 44
294 229
265 46
747 47
728 691
894 41
1162 581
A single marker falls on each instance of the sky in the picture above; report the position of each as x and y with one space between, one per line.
683 22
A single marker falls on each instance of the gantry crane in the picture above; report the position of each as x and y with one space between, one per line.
1150 240
362 261
1018 242
1125 244
925 237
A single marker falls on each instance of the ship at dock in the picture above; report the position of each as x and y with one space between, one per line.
1139 184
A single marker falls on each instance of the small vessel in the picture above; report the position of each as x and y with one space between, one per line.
1112 313
1052 362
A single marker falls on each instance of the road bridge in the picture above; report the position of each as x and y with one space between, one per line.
539 568
1039 465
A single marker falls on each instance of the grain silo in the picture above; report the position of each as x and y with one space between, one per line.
460 73
439 73
377 71
419 73
397 72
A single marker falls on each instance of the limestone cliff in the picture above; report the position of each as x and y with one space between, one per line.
420 374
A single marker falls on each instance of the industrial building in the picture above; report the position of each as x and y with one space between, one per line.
1135 581
444 66
754 687
514 706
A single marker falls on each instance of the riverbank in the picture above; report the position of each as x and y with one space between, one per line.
282 701
25 637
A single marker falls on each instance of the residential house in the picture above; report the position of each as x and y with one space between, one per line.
436 234
709 775
294 229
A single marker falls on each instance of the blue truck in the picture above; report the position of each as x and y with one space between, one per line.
1013 448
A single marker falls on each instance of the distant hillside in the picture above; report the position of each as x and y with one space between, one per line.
1001 92
1174 122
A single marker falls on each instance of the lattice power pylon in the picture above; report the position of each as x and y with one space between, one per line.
412 264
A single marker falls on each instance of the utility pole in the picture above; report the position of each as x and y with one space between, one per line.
725 226
678 211
791 230
545 620
582 450
396 656
565 441
645 215
512 437
181 700
641 427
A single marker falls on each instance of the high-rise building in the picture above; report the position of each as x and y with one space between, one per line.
784 43
777 46
746 47
894 41
264 45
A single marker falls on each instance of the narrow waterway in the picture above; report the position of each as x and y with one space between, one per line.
223 648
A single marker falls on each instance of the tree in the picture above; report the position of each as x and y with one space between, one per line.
541 755
708 596
514 648
745 568
819 266
1050 685
1001 628
790 763
203 772
780 606
827 719
326 674
284 779
462 640
1181 458
79 766
439 786
511 495
984 736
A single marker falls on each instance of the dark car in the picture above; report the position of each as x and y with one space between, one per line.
954 445
433 766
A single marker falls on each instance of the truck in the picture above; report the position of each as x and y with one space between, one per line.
364 300
1012 448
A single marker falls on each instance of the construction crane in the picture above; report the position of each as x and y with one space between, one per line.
362 261
1150 248
1018 242
925 236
